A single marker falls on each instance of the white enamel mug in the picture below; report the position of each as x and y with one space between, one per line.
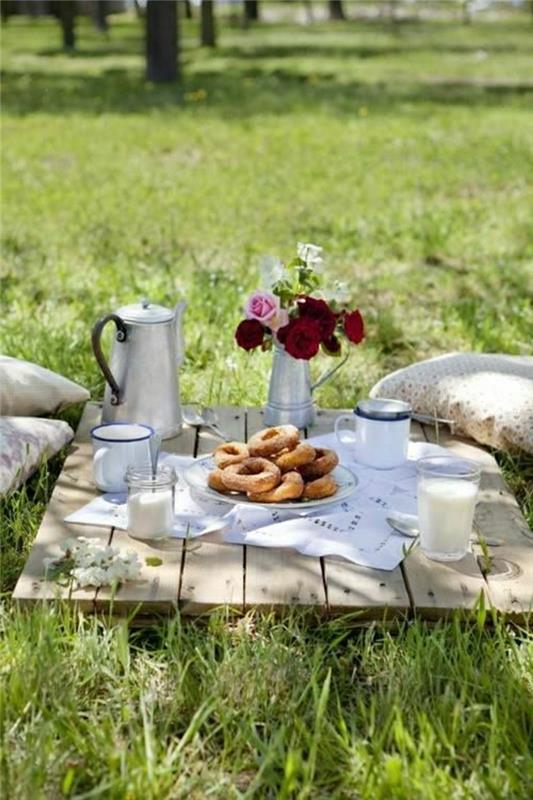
381 433
117 446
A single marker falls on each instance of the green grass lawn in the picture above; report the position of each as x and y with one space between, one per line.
408 155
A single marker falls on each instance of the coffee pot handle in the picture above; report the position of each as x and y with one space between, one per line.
329 373
96 336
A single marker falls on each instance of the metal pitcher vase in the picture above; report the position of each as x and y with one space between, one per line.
290 396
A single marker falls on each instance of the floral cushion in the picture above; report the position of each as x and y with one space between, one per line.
27 389
489 397
24 443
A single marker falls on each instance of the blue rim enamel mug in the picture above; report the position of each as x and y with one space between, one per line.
381 434
117 446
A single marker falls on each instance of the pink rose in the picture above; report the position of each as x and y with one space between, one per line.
262 306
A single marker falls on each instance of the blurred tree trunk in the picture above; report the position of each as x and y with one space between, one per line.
161 40
207 27
7 7
251 10
467 16
336 11
65 10
188 9
100 11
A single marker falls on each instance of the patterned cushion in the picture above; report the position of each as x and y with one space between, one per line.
488 397
24 443
27 389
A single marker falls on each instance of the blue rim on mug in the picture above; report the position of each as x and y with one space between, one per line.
383 409
134 439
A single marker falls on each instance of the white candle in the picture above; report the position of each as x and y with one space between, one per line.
445 515
150 514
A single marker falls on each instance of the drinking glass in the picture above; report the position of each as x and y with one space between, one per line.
447 493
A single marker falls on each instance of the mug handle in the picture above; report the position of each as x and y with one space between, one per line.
99 460
338 423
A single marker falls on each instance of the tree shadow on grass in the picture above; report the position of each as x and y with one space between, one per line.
240 93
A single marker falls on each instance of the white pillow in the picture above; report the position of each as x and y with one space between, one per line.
24 443
29 390
488 397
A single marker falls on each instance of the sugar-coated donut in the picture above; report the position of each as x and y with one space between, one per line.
214 481
325 461
302 454
251 475
319 488
290 488
273 440
230 453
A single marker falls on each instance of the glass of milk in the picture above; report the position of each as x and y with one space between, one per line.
150 502
447 493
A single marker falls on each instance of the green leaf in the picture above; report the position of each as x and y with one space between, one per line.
153 561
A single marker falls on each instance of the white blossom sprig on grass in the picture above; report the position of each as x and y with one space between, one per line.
87 562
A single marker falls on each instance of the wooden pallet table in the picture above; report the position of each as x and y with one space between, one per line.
199 575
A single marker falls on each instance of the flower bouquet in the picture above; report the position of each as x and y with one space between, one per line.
299 319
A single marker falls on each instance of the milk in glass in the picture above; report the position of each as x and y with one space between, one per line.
447 491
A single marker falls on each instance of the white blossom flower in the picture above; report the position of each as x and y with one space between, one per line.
96 564
339 293
311 254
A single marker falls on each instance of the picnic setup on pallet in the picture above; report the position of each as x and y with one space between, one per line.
380 512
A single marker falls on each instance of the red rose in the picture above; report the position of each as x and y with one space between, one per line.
249 334
301 338
320 312
354 327
332 346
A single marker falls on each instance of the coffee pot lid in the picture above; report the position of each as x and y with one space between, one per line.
383 409
146 313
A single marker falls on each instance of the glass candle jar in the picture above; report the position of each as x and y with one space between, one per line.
150 502
447 494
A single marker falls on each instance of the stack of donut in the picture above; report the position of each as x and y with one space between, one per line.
273 466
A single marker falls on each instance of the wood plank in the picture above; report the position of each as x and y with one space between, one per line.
438 588
213 573
279 576
156 590
73 489
509 571
376 594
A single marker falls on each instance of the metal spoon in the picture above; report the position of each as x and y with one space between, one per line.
155 446
205 419
408 525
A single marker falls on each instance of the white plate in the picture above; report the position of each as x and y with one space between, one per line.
196 477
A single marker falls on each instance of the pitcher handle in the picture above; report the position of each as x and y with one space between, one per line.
96 336
329 373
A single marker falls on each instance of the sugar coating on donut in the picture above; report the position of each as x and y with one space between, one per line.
214 481
230 453
302 454
290 488
251 475
324 463
320 488
270 441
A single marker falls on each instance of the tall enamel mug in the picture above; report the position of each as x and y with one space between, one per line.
378 432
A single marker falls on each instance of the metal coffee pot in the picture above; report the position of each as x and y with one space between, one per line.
142 374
